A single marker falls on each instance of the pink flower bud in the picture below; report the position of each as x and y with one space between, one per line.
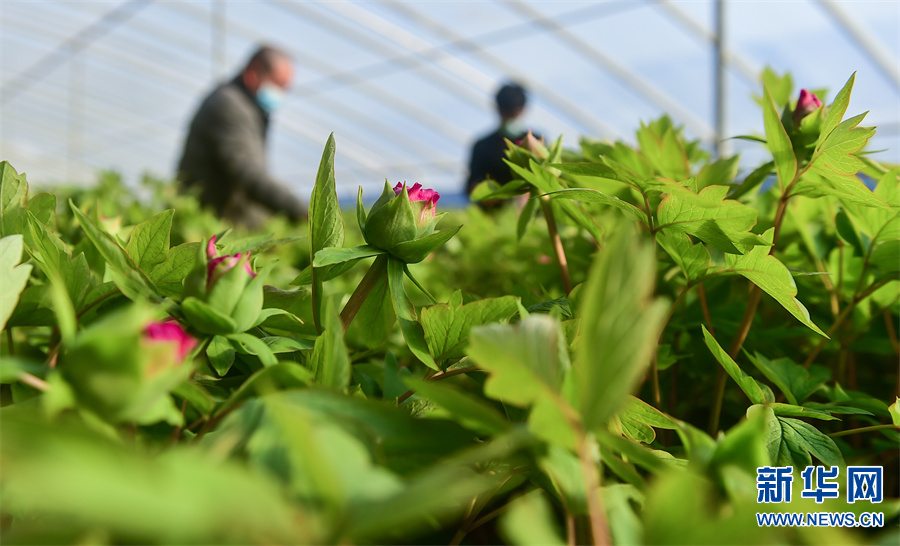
535 146
418 194
170 331
217 266
806 105
211 248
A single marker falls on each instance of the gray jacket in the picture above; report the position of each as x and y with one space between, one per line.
224 155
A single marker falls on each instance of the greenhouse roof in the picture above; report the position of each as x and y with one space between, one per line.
406 87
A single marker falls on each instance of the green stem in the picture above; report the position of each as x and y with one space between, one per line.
375 274
654 366
437 377
556 242
752 305
863 429
33 381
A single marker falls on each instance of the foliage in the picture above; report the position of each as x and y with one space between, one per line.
543 375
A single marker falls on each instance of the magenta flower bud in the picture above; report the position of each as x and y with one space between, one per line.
402 221
806 105
170 331
218 266
419 194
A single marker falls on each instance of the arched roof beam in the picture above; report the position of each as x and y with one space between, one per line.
573 112
629 78
888 65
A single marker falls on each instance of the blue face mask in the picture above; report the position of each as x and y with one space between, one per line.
269 97
513 128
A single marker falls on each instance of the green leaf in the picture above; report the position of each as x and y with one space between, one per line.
639 418
664 151
330 358
693 259
725 225
768 273
779 143
333 255
538 176
719 173
530 521
836 110
781 87
178 263
469 411
791 441
48 250
375 319
836 152
130 280
790 410
149 243
447 325
625 525
848 188
527 361
894 410
205 318
406 313
13 192
279 344
751 388
326 224
43 206
796 382
248 344
174 497
198 397
594 196
220 354
620 322
15 276
256 243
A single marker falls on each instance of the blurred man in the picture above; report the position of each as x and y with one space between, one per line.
224 154
488 153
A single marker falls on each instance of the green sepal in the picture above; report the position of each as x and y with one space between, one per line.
249 304
386 195
392 223
247 344
226 291
360 211
415 251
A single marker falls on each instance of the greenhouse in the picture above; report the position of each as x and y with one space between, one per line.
491 272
